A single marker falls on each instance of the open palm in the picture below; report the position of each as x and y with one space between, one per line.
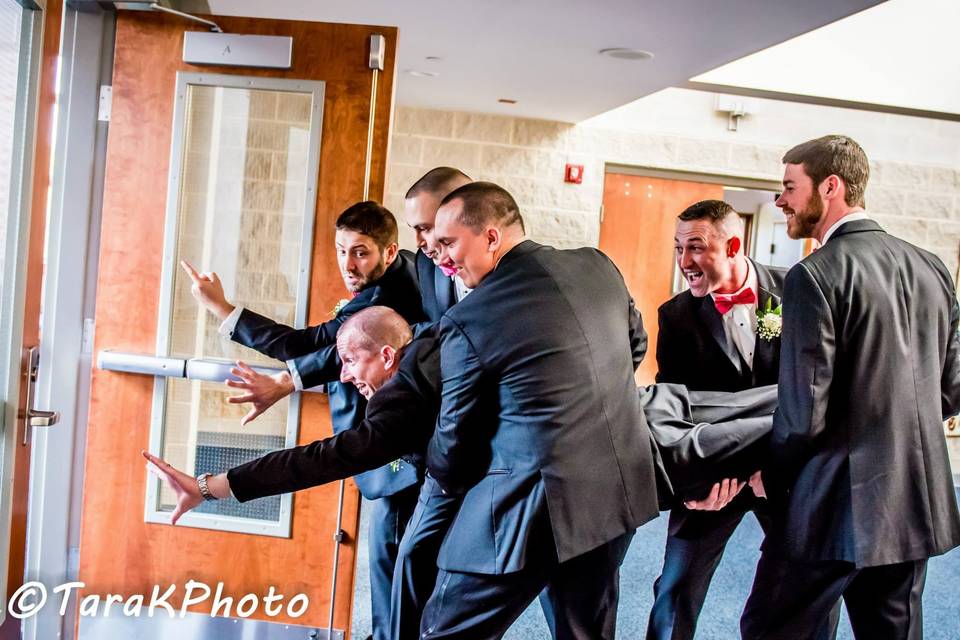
184 486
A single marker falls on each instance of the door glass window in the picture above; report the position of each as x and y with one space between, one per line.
243 203
11 17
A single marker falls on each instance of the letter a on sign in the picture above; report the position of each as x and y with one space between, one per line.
226 51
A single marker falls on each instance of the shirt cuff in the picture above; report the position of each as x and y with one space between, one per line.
228 326
295 375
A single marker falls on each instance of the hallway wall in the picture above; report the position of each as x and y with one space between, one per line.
914 190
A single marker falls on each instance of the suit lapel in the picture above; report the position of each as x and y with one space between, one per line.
713 320
765 351
444 288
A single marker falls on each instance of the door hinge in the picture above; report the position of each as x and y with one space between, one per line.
601 214
106 103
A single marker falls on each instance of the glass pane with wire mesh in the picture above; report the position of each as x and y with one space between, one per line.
240 213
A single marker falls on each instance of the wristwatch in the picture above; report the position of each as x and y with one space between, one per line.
204 490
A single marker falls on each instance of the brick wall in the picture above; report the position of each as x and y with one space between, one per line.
914 190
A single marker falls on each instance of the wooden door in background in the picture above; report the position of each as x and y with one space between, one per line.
119 552
639 220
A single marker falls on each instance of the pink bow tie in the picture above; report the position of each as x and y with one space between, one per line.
448 271
725 302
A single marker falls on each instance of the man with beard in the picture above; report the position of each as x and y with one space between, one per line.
857 473
376 273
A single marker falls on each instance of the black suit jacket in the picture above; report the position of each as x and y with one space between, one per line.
550 341
399 421
870 368
314 352
436 289
693 349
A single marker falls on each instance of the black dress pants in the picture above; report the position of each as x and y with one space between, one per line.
583 591
789 598
388 520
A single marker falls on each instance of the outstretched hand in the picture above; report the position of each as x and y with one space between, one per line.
184 486
262 390
756 483
720 496
208 291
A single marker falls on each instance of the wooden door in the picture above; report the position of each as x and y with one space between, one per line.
639 220
119 552
36 181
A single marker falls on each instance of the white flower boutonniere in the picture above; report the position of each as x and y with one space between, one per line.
340 305
769 321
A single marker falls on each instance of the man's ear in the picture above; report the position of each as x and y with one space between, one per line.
390 253
733 246
832 186
494 239
389 356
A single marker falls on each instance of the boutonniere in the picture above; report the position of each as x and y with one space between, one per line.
339 306
396 465
769 321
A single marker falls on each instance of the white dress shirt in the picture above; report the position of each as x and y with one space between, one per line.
460 290
850 217
740 322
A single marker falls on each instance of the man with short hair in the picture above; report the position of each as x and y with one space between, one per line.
440 290
708 341
554 486
857 473
376 273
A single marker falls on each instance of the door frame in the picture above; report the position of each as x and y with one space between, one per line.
724 179
76 189
23 271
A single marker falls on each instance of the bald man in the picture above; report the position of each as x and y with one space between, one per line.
378 355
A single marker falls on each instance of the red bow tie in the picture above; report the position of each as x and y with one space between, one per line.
725 302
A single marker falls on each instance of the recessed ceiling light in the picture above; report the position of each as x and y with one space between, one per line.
507 101
624 53
433 58
422 74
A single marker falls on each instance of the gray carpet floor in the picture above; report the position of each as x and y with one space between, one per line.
728 592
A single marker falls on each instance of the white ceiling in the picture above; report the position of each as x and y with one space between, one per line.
902 53
543 53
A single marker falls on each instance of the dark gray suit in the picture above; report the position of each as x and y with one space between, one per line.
557 484
858 472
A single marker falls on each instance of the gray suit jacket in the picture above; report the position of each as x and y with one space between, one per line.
549 341
869 368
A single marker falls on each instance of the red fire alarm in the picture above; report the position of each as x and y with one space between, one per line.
574 173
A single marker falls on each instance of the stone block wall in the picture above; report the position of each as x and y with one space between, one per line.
240 214
914 190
